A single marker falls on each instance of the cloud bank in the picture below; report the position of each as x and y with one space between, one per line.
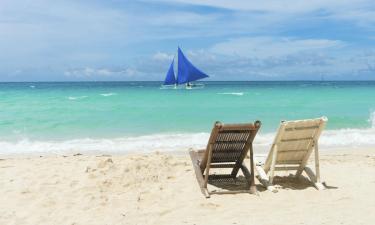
229 40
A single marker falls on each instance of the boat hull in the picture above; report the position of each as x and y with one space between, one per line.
187 87
194 86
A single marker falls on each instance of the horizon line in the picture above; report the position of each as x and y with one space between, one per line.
77 81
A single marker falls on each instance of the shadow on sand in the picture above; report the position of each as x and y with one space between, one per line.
280 182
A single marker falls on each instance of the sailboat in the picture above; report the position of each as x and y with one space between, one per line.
186 73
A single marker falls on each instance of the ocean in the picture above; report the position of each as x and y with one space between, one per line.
61 117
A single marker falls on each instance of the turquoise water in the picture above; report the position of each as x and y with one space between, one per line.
107 110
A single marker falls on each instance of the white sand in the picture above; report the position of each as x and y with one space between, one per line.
162 189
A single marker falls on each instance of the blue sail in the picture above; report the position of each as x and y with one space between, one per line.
170 78
187 72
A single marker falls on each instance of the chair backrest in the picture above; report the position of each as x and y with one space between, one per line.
295 140
231 142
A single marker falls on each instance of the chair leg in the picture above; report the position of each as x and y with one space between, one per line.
205 192
253 189
317 169
263 179
313 179
249 179
273 163
198 173
207 170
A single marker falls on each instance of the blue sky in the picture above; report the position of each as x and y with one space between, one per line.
229 40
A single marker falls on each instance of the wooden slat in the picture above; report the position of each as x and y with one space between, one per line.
230 192
291 150
220 176
296 139
289 161
301 128
279 168
238 127
226 165
232 142
234 131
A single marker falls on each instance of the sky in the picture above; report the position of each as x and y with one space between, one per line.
113 40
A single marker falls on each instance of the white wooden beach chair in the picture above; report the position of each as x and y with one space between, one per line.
291 149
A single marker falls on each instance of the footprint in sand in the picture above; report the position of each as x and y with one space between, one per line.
105 163
73 183
210 205
162 213
171 177
25 191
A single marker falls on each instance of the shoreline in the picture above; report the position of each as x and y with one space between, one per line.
325 151
173 142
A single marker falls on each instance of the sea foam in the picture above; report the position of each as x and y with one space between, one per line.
76 97
232 93
140 144
107 94
371 120
330 139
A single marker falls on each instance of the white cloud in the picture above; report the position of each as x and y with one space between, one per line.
68 30
363 17
287 6
262 47
162 57
89 72
180 18
360 11
131 72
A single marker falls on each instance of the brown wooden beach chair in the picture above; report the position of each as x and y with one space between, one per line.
291 149
227 147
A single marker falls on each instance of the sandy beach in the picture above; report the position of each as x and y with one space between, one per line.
160 188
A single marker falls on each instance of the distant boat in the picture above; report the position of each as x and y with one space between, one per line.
186 73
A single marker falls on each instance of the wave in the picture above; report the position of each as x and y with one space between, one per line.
108 94
348 138
147 143
371 120
330 139
77 97
232 93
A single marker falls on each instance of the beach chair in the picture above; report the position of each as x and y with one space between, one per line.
227 147
291 149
